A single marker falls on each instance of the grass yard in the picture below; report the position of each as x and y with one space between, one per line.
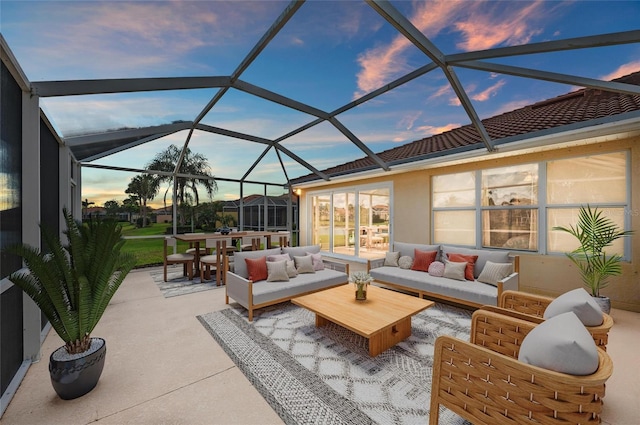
149 252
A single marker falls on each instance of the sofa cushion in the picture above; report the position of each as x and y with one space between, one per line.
578 301
454 270
304 264
300 250
291 269
257 268
240 266
405 262
265 292
391 259
277 271
469 259
475 292
492 272
423 259
409 248
483 256
279 257
562 344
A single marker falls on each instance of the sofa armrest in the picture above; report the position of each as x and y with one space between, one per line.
336 265
240 289
511 282
374 263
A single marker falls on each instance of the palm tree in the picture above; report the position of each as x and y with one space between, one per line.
145 187
192 165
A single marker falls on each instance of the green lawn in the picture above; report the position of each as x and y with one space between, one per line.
148 251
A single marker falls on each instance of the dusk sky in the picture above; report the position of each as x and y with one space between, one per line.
327 55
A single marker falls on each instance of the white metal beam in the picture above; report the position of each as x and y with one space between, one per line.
124 134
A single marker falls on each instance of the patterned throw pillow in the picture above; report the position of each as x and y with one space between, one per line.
257 268
277 271
316 259
492 272
423 259
454 270
405 262
469 259
436 269
391 259
304 264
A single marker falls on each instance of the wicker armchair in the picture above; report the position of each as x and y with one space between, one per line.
483 382
531 307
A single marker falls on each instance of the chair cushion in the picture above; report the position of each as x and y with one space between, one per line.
180 257
492 272
277 271
562 344
581 303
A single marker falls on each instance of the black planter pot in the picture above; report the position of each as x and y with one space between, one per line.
77 376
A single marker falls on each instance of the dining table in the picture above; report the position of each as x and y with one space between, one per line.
196 239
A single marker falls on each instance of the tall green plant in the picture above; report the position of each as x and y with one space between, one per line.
74 283
595 232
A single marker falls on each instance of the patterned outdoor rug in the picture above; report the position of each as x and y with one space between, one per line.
325 375
177 284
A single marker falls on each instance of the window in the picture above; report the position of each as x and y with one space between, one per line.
353 222
516 207
598 180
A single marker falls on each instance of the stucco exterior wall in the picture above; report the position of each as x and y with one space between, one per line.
543 274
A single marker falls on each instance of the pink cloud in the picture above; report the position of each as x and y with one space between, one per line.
445 89
489 92
623 70
428 130
485 29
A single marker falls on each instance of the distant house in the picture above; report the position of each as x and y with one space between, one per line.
254 208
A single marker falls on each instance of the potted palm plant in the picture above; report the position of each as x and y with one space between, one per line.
595 232
73 285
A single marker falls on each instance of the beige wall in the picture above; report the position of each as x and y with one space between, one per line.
543 274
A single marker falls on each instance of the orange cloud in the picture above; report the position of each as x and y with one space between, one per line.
487 29
488 93
623 70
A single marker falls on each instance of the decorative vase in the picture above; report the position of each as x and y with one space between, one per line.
604 303
361 290
74 375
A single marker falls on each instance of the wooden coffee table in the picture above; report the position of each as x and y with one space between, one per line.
384 318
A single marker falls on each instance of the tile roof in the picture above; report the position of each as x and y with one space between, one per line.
575 107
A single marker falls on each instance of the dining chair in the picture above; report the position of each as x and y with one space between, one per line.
215 260
177 258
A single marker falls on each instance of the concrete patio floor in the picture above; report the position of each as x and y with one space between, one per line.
163 367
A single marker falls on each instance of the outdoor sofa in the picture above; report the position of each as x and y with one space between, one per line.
392 271
253 295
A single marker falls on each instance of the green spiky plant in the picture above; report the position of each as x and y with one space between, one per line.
595 232
74 283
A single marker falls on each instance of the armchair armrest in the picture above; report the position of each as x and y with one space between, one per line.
486 387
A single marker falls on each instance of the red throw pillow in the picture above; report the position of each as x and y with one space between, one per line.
257 268
423 259
470 260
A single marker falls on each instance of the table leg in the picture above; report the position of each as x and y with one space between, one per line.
389 336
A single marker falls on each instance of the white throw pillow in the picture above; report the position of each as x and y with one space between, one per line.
277 271
454 270
492 272
391 259
291 269
304 264
581 303
405 262
562 344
